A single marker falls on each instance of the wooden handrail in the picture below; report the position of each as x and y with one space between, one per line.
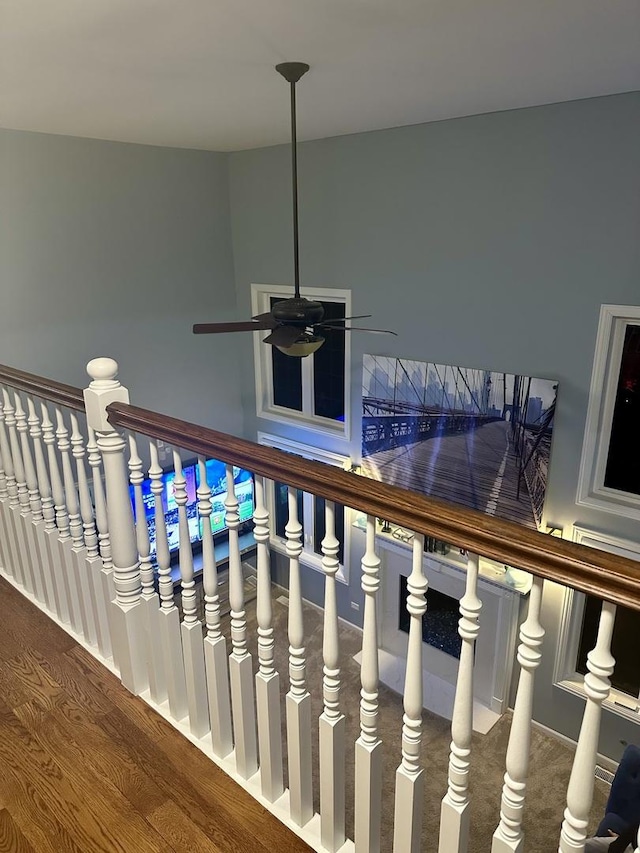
585 569
46 389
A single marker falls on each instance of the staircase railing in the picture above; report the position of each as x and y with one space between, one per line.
80 548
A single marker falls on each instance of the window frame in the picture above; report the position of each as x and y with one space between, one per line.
607 360
263 368
565 673
308 556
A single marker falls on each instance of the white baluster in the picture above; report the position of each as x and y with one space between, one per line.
85 556
368 760
298 697
508 837
410 775
240 664
215 647
332 743
191 628
61 529
34 513
17 489
44 517
168 617
128 621
454 814
102 575
5 553
74 546
150 600
11 500
7 480
597 686
267 678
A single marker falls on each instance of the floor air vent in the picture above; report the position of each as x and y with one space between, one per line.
604 775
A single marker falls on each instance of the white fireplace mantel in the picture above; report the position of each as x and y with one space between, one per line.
500 590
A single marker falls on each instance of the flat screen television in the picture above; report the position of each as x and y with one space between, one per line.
217 481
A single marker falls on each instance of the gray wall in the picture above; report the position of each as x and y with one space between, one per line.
113 249
488 241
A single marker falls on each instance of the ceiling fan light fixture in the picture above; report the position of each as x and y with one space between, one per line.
306 345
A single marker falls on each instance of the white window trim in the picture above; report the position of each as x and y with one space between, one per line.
265 407
308 556
564 673
602 396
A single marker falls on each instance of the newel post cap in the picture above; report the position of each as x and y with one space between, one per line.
103 389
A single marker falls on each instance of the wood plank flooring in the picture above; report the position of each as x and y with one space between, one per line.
85 766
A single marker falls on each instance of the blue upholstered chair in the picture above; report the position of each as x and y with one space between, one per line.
623 805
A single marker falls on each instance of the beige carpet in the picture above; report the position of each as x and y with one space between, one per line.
550 759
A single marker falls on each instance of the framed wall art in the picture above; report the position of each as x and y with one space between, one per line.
476 437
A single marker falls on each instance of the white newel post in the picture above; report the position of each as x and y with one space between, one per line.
168 617
454 813
74 545
44 517
57 535
150 599
332 742
240 662
267 678
215 647
31 508
191 627
407 828
508 837
368 757
298 702
128 618
17 493
597 685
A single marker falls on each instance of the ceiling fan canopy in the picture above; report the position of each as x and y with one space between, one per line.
296 324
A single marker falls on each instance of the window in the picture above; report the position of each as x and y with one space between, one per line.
580 627
309 391
311 510
626 676
610 469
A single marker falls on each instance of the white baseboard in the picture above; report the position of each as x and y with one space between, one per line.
603 760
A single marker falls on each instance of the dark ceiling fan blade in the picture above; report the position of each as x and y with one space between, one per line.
327 323
354 329
217 328
283 336
267 317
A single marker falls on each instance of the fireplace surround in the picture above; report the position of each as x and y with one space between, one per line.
502 592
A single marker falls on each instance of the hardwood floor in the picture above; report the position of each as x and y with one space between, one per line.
85 766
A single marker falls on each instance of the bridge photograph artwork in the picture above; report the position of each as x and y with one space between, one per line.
475 437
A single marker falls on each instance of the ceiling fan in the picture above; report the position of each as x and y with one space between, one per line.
296 324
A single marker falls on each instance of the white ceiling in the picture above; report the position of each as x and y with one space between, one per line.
199 73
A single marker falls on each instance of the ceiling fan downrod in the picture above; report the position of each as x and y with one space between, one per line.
292 72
